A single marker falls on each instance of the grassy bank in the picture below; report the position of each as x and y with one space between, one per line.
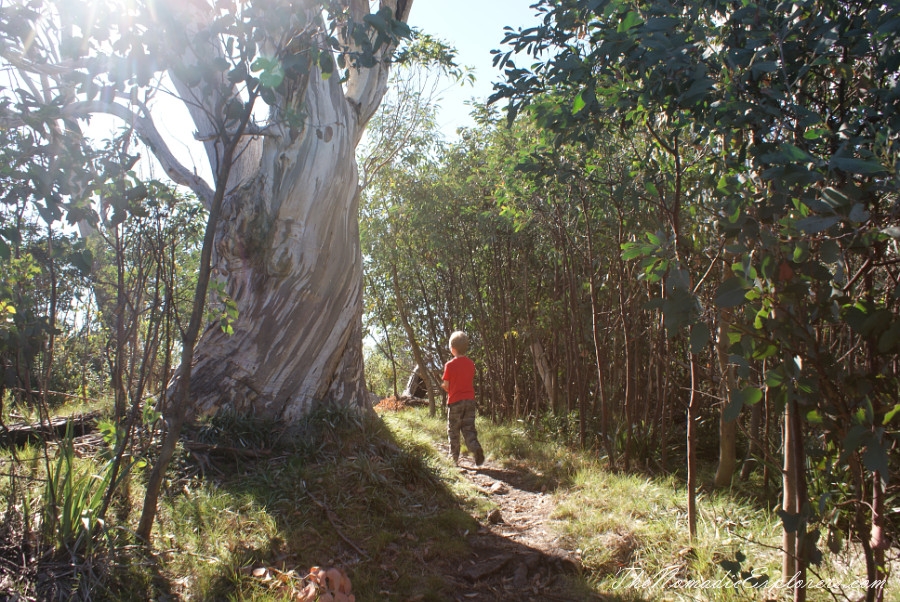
378 499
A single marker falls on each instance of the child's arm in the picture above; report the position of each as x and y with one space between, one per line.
445 385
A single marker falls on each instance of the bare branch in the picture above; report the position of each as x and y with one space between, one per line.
26 65
150 136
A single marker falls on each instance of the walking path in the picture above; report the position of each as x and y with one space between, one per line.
515 554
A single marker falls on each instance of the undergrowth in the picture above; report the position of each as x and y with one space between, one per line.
631 531
249 507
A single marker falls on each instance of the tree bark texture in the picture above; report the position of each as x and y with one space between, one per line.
287 248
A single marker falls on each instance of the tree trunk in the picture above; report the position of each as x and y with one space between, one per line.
755 449
624 301
418 356
789 503
879 541
608 444
287 248
727 429
794 561
692 447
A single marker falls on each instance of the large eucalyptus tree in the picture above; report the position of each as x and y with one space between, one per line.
279 93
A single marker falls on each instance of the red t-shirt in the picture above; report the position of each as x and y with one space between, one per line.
460 373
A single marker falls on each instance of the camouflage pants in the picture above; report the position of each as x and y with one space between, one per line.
461 418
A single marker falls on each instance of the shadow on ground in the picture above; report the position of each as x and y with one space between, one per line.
347 493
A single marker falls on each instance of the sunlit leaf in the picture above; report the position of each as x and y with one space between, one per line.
578 104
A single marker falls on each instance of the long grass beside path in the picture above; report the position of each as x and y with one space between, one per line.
631 531
377 498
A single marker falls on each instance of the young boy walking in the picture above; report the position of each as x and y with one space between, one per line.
459 377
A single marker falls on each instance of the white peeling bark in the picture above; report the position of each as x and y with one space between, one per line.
288 250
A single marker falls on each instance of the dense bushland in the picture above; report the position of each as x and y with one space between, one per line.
677 254
679 247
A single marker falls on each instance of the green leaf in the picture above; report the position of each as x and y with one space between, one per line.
775 377
731 293
752 396
876 457
816 223
890 415
271 78
815 133
723 186
791 522
632 250
857 166
263 63
794 153
84 261
733 409
830 251
578 104
632 19
859 214
699 337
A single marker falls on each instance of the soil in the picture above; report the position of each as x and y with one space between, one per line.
515 554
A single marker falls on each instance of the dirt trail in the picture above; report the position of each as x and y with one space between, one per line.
515 554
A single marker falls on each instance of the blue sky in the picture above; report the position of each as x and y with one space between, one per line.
474 28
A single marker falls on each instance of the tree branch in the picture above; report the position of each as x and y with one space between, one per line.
148 133
366 86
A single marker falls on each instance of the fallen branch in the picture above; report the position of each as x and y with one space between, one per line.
81 398
224 450
21 433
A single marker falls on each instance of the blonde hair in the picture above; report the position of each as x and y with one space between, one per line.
459 341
